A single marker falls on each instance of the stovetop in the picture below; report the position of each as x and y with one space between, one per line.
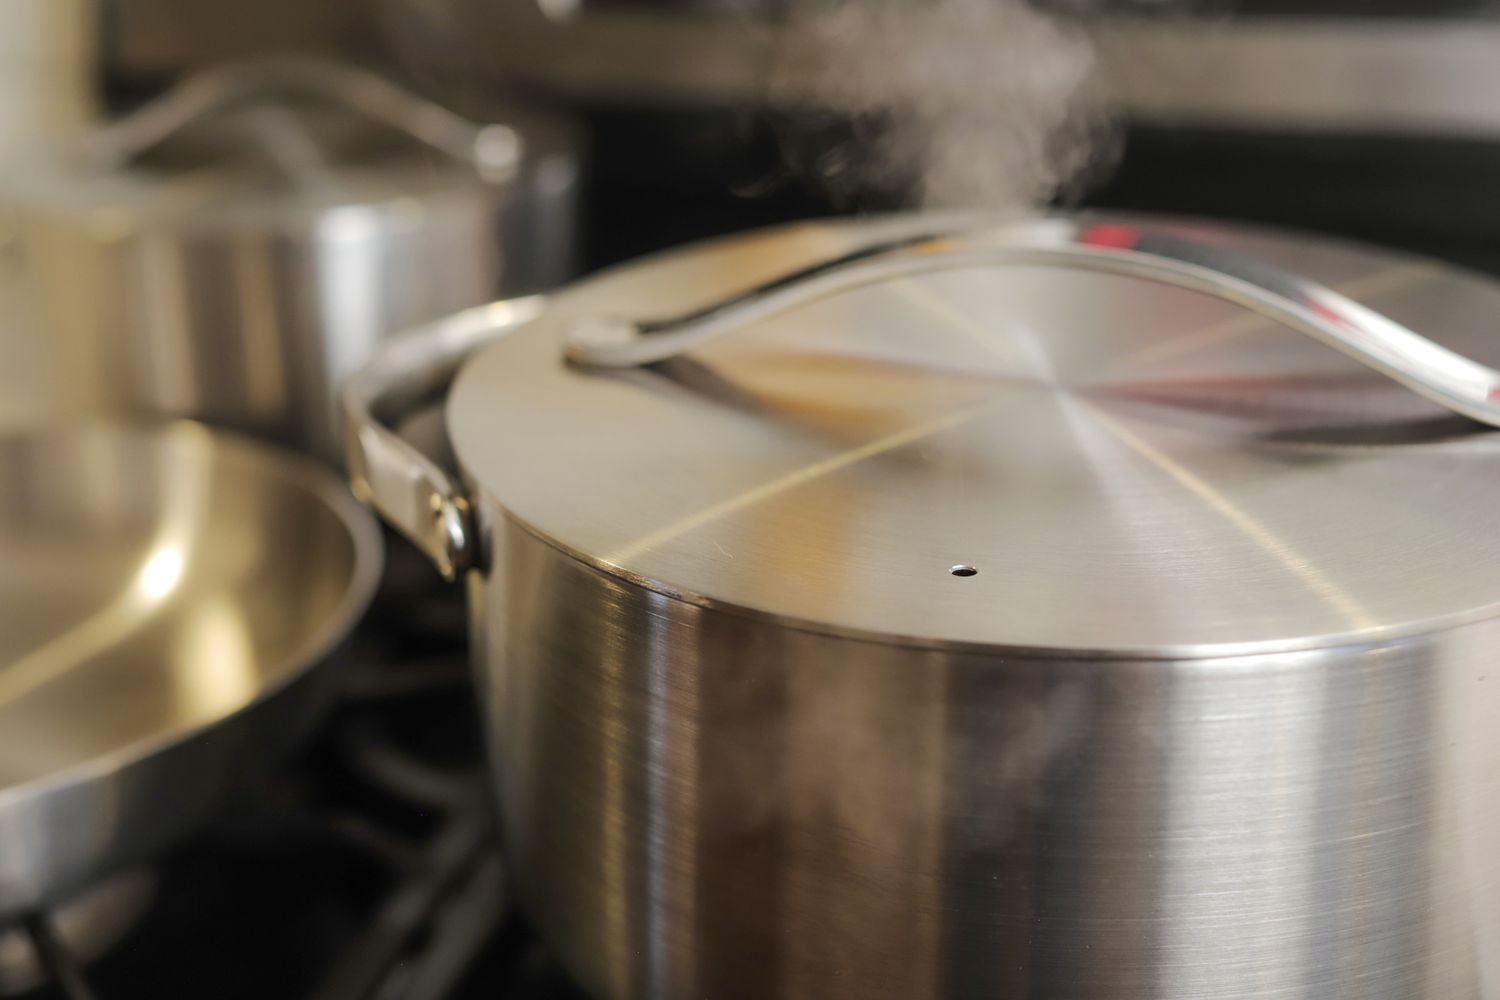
366 866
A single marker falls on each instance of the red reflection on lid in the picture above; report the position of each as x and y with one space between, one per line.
1107 234
1323 310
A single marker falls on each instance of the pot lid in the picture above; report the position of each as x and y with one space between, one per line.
294 141
1020 456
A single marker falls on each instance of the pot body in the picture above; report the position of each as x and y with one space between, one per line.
252 327
698 803
234 249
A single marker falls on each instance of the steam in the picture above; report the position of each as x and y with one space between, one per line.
984 104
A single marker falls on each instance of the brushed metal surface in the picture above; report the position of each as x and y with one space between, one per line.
1136 251
224 284
1214 716
415 492
165 594
699 804
1129 466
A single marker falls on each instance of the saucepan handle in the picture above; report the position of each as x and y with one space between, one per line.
411 491
493 150
1449 379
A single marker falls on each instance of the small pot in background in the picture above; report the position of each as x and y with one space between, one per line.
232 250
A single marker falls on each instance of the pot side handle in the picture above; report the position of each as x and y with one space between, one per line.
1451 380
411 491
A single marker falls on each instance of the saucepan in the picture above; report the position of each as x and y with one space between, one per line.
172 601
1089 607
232 249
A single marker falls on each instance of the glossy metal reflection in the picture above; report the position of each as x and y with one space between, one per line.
164 596
239 274
1459 383
1212 719
493 150
1136 468
699 804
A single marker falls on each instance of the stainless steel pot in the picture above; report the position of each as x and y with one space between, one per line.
232 250
171 600
1030 610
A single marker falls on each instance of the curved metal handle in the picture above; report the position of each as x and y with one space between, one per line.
1449 379
493 150
411 491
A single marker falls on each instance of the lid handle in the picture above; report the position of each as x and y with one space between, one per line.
1449 379
493 150
411 491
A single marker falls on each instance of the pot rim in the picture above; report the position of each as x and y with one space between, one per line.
1350 641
